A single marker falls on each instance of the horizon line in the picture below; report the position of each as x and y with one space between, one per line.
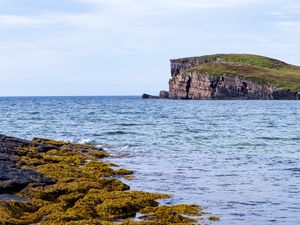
28 96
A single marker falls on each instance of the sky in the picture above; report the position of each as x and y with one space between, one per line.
124 47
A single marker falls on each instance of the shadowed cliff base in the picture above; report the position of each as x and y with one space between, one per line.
45 181
233 76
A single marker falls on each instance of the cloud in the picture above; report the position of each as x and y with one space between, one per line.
290 26
7 20
287 18
118 14
118 39
293 8
173 3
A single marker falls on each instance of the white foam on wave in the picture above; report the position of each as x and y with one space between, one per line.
86 141
100 146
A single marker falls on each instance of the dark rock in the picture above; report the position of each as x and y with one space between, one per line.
46 148
164 94
13 179
7 197
10 144
146 96
101 148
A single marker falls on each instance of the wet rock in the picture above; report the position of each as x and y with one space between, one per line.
7 197
46 148
87 189
101 148
164 94
146 96
9 145
13 179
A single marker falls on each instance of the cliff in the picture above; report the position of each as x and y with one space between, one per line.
233 76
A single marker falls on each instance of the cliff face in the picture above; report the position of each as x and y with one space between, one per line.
179 65
233 77
201 86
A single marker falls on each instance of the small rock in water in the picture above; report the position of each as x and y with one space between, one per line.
164 94
146 96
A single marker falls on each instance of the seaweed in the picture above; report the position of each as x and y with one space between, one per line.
86 191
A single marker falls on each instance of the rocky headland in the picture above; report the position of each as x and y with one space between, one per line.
45 181
233 76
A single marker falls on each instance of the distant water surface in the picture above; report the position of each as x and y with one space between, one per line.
241 159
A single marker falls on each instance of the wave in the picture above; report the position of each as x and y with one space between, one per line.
119 132
33 113
98 145
115 132
87 141
128 124
279 138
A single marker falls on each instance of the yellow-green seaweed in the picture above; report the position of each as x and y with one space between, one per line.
86 191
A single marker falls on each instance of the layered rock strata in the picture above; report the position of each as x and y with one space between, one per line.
185 84
202 86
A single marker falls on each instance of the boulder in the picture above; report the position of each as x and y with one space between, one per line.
12 178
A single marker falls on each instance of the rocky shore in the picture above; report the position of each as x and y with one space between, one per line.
45 181
12 178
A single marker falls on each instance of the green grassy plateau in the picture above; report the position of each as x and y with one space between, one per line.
259 69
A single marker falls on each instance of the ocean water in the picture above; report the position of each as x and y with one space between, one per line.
240 159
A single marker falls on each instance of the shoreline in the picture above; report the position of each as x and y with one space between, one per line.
46 181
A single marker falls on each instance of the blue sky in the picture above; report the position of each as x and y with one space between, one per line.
123 47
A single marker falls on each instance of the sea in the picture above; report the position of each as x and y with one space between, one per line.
240 160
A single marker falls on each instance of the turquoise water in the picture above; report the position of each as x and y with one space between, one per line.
241 159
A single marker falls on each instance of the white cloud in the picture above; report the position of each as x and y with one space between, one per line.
290 26
92 20
173 3
117 38
293 8
8 20
119 13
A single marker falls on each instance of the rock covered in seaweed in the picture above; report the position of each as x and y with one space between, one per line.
81 189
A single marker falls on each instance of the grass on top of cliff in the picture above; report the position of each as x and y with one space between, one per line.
259 69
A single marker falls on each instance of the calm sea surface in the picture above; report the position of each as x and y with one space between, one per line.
241 159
